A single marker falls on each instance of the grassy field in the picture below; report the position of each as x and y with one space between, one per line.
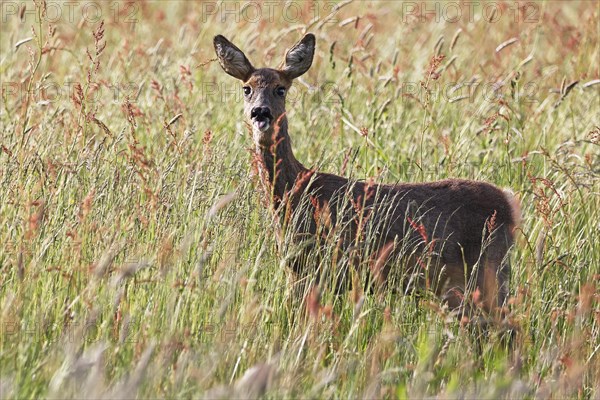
138 258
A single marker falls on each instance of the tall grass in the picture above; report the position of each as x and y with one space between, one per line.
139 259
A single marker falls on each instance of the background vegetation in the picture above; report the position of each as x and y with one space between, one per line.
138 258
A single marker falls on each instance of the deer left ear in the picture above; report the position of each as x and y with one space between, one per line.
299 58
232 59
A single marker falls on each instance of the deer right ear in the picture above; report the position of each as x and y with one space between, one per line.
299 58
232 59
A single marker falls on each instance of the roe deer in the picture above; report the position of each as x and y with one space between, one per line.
463 228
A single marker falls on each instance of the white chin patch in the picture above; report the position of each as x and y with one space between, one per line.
262 125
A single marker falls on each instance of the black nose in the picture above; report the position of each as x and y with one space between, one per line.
261 113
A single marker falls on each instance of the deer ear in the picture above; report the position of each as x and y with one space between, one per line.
232 59
299 58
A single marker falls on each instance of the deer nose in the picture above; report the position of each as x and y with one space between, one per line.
261 112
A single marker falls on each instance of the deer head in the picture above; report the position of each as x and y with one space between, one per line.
265 89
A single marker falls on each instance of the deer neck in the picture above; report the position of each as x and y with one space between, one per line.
278 166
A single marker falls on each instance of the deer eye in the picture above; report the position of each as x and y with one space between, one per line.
247 90
280 91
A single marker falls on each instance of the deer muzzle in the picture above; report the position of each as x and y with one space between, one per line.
261 118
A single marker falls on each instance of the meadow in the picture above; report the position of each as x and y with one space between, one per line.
139 258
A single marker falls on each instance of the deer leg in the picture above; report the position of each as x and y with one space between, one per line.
493 284
451 289
493 279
